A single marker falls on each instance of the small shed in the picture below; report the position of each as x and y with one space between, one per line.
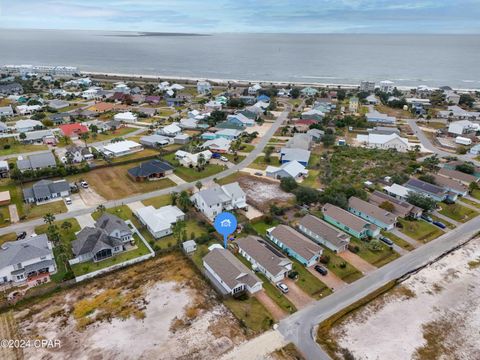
189 246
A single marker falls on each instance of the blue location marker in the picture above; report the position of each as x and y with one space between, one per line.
226 224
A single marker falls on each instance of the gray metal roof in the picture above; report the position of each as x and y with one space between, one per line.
45 188
42 160
324 230
296 241
14 252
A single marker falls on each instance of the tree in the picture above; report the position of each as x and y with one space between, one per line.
183 200
23 136
173 198
66 225
427 178
422 201
328 140
387 205
198 185
306 195
268 152
295 93
375 245
201 161
288 184
49 218
85 137
466 168
101 208
431 162
178 229
467 100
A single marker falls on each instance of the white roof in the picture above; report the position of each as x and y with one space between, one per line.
397 190
125 115
20 124
220 143
292 168
121 146
159 219
171 129
380 138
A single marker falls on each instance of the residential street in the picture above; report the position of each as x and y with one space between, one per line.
299 328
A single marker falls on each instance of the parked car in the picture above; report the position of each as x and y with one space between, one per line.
426 218
386 240
22 235
84 184
258 173
320 269
283 288
215 156
68 201
439 224
293 275
223 158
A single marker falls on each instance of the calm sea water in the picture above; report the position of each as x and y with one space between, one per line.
433 60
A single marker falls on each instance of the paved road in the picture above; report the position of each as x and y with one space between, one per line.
427 144
299 328
244 163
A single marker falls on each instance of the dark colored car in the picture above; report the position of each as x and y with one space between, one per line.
22 235
439 224
216 156
320 269
386 240
426 218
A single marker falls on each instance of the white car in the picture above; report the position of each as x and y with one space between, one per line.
283 288
84 184
68 201
223 158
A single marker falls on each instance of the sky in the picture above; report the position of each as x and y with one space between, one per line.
251 16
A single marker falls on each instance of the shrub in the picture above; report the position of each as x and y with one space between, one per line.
353 248
343 265
325 259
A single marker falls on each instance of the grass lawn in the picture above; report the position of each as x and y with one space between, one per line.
8 237
261 164
276 295
251 313
193 229
4 216
470 202
246 147
457 212
376 258
231 157
36 211
397 240
475 194
18 148
138 155
447 224
165 111
190 174
158 201
16 196
113 182
348 274
312 179
261 226
120 132
310 284
420 230
231 178
87 267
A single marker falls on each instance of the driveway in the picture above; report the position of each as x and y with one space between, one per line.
12 209
77 203
176 179
362 265
296 295
91 197
331 280
252 213
135 205
85 220
274 310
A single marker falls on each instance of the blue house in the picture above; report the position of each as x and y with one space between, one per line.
435 192
174 101
240 120
263 98
291 154
372 213
295 244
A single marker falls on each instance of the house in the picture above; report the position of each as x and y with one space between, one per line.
174 101
188 123
189 246
229 134
171 130
28 109
191 160
263 98
348 222
127 117
11 89
451 97
150 170
220 145
378 117
120 148
313 114
36 161
284 92
28 261
109 236
309 91
372 213
252 112
291 169
462 127
463 140
295 244
159 222
371 100
475 150
264 258
5 198
4 128
39 137
6 111
466 179
397 191
401 208
204 87
422 187
383 130
214 200
252 90
213 105
153 99
181 139
240 120
4 169
147 111
60 118
229 274
46 191
58 104
300 141
76 154
386 86
23 126
316 134
155 141
367 86
452 185
300 155
323 233
353 104
73 131
456 112
248 100
385 142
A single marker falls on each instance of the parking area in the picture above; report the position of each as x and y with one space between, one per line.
296 295
90 197
362 265
252 213
331 280
85 220
77 203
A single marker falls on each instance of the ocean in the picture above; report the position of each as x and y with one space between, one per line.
408 60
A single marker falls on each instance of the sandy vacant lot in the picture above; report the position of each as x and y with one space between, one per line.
160 309
435 314
262 192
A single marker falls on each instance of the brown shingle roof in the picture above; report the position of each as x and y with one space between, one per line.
299 243
401 208
326 231
450 183
372 210
458 175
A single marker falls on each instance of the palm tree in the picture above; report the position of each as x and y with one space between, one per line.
49 218
201 161
85 137
173 198
198 185
101 208
183 200
178 229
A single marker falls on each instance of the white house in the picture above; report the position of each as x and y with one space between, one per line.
188 159
159 221
6 111
291 169
463 140
171 130
204 87
214 200
452 97
229 274
120 148
27 125
29 260
28 109
271 263
189 246
380 141
462 127
220 145
127 117
252 90
386 86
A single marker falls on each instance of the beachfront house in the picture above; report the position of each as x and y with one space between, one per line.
323 233
372 213
348 222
